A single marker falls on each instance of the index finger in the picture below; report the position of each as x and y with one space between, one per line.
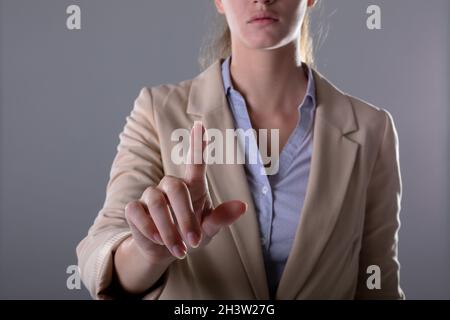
196 166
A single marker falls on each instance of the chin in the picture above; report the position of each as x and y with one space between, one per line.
265 40
265 44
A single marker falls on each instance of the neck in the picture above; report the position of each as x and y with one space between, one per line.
272 80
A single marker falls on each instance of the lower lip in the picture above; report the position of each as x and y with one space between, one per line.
263 22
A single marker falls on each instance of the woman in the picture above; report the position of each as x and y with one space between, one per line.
323 226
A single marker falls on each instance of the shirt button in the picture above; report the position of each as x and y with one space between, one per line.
265 190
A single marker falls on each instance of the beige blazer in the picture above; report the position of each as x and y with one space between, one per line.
350 218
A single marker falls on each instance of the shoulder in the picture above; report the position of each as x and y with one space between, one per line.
352 112
369 115
177 103
371 127
164 106
376 129
158 96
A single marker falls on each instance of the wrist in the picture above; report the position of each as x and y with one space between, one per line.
148 259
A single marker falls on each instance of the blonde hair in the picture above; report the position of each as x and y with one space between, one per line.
218 44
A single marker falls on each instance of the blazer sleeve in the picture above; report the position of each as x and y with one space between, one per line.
136 166
379 245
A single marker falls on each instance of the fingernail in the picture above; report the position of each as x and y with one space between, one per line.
157 238
193 239
198 123
179 251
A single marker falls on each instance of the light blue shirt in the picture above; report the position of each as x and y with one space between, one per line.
278 198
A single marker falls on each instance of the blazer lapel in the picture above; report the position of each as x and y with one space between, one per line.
333 159
207 102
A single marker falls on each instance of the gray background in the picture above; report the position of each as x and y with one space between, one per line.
65 95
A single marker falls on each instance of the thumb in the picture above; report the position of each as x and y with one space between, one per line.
223 215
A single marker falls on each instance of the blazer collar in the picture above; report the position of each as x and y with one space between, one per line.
333 158
207 94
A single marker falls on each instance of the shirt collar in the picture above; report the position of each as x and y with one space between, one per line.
226 75
228 85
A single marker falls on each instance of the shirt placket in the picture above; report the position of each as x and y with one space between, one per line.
264 203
